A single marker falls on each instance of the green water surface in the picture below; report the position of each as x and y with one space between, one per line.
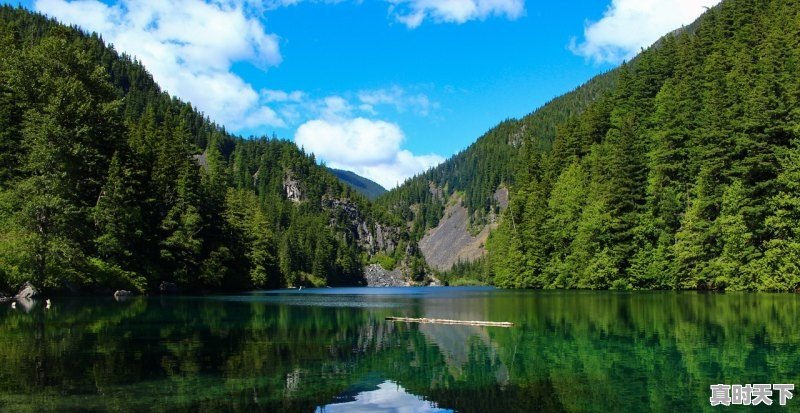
330 350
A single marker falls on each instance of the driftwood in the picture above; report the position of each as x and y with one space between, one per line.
443 321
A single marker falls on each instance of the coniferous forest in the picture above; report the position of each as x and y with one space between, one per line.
108 182
683 175
678 170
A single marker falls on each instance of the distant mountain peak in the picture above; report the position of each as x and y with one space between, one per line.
368 188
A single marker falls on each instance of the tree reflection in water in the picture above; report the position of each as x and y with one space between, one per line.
569 352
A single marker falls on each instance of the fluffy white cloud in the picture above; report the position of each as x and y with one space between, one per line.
413 12
370 148
629 25
189 46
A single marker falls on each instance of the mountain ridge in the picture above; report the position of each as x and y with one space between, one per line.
371 189
138 187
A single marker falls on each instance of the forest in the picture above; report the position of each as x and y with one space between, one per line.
678 170
107 182
683 175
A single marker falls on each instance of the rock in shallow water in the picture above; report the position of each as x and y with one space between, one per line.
28 291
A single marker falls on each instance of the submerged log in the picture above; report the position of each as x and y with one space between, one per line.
443 321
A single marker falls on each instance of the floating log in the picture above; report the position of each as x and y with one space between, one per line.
443 321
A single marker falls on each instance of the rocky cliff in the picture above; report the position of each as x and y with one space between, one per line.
452 241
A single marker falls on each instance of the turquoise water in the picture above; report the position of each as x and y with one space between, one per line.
330 350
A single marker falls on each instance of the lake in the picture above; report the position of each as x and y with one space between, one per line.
331 350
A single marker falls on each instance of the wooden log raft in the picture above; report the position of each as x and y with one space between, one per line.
443 321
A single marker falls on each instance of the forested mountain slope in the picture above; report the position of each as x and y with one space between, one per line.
108 182
478 171
686 176
366 187
477 176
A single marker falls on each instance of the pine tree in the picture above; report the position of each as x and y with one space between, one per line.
566 206
182 246
69 130
730 270
779 269
694 242
118 217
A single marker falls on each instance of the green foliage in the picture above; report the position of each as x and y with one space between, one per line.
494 160
466 273
368 188
680 174
108 182
385 261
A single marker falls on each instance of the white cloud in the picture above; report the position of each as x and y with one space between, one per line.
629 25
389 396
370 148
397 97
282 96
413 12
189 46
333 108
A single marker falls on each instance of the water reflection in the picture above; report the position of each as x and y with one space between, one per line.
290 351
387 397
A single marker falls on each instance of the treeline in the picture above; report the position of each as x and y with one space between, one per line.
686 175
108 182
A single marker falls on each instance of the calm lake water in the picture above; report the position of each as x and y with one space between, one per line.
330 350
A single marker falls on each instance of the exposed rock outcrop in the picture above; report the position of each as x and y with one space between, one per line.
451 240
292 188
28 291
201 160
370 237
377 276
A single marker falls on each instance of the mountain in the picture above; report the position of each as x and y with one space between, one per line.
107 182
676 170
366 187
684 176
477 179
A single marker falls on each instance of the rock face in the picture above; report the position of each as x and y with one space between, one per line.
168 288
201 160
377 276
292 188
370 237
451 240
27 291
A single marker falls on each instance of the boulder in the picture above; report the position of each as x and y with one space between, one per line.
122 293
377 276
28 291
168 288
25 304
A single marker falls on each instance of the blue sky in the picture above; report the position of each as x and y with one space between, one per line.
385 88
